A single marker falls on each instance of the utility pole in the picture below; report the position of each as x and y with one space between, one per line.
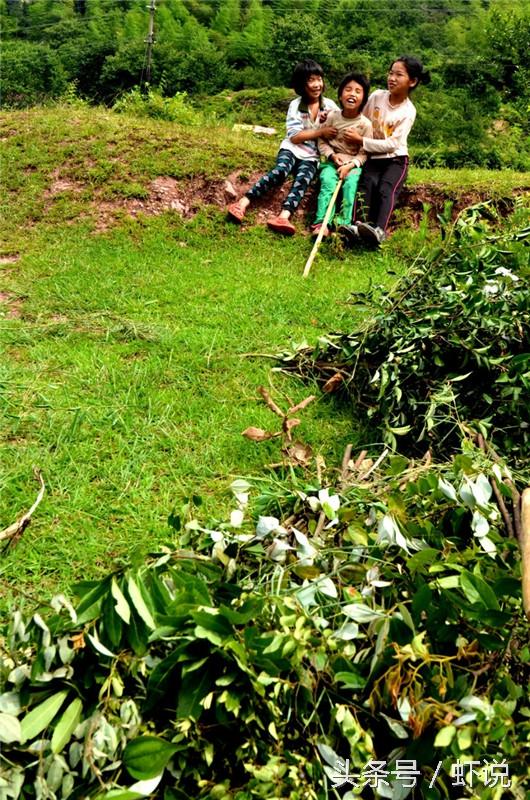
149 41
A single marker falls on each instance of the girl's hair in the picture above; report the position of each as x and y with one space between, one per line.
301 74
415 69
362 80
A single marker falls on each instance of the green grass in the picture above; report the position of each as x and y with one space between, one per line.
457 182
126 379
101 155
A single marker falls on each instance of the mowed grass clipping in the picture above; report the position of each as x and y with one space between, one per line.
126 381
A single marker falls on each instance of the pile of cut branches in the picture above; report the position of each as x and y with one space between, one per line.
375 618
446 350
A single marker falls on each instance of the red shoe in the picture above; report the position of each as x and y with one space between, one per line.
281 225
317 227
235 212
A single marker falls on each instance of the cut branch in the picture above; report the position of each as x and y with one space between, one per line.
14 531
270 402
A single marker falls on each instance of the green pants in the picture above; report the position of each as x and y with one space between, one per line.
329 177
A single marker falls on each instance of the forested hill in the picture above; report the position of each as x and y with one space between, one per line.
477 50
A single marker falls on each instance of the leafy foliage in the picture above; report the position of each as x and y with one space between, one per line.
474 112
369 621
449 347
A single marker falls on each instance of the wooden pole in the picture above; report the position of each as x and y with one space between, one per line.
325 221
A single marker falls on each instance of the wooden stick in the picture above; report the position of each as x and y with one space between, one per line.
524 543
375 465
325 221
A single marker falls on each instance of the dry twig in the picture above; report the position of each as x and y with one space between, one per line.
14 531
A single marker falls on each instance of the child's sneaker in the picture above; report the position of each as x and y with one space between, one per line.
370 234
350 234
281 225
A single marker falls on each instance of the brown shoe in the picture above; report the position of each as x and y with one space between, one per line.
281 225
235 213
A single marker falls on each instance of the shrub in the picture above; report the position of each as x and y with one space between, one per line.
253 106
153 104
31 73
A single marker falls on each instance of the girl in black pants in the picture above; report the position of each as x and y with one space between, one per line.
392 115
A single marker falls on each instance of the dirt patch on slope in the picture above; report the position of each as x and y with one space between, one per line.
187 197
10 306
9 258
60 184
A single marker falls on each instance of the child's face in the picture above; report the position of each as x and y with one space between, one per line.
399 80
352 96
314 87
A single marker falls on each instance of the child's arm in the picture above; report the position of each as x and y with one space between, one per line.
296 131
326 132
367 133
380 146
398 139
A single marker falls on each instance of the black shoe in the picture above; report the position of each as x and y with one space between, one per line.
350 234
370 234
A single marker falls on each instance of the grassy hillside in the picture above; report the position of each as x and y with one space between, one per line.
128 308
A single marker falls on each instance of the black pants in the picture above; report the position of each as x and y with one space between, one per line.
381 182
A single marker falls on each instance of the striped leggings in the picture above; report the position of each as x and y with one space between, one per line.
381 182
303 170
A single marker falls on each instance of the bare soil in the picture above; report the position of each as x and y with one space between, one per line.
186 198
10 306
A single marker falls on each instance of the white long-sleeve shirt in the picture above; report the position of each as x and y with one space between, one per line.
299 119
391 125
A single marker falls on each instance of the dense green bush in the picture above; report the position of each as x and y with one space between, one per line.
153 104
250 106
31 73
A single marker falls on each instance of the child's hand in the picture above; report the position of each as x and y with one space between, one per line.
340 158
327 132
345 169
352 136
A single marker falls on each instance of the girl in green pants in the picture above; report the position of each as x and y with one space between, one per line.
343 159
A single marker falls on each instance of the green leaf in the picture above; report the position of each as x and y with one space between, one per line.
477 590
163 674
40 717
111 625
351 680
361 613
139 603
422 557
10 729
147 756
122 606
99 647
91 593
192 691
66 725
445 736
137 635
